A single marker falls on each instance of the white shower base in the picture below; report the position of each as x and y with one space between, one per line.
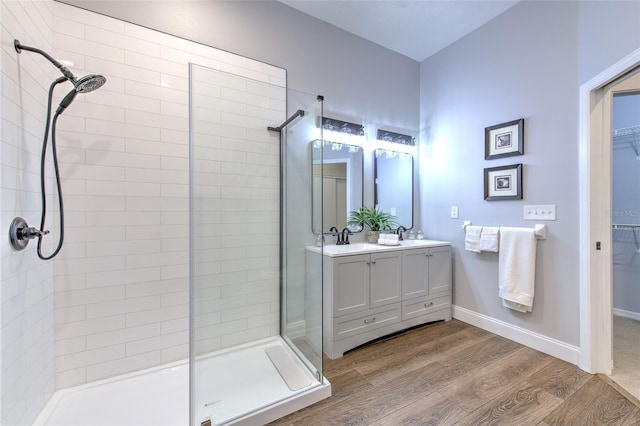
239 386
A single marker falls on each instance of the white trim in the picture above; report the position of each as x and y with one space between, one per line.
591 334
626 314
528 338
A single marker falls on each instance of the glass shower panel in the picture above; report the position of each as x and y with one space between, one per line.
243 357
301 323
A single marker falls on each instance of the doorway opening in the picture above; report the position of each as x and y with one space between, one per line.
598 213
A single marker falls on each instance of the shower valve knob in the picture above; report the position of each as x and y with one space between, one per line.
20 233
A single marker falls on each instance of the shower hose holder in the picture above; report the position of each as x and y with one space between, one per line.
20 233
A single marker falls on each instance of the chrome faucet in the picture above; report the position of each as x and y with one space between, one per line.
399 231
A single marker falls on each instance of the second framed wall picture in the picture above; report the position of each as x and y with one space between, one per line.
503 183
504 140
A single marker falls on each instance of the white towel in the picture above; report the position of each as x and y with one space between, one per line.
489 239
388 240
517 267
472 238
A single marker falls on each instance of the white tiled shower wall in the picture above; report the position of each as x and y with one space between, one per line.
118 291
26 287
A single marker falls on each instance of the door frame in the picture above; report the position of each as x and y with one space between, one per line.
596 308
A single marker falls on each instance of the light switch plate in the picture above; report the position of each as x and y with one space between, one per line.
540 212
454 212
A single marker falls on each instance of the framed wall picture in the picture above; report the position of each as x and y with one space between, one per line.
503 183
504 140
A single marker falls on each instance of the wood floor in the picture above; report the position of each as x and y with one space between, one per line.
452 373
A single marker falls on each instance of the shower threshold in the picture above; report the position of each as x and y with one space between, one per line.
239 386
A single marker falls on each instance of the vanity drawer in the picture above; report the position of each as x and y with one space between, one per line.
423 305
349 325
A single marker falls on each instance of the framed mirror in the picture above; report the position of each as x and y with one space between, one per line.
393 174
337 183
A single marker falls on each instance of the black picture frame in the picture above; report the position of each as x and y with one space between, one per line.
503 183
504 140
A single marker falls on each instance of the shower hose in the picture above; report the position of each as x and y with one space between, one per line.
56 169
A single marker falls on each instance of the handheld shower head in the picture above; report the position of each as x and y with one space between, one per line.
89 83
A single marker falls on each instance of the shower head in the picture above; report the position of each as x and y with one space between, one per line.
89 83
86 84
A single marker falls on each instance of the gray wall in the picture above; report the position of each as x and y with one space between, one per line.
527 63
357 77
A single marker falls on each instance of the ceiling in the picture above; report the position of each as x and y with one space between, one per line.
414 28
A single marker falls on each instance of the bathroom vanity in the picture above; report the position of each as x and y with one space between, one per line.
372 290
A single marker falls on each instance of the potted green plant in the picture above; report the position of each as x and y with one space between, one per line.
375 219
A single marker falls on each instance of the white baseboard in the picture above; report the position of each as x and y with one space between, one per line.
627 314
528 338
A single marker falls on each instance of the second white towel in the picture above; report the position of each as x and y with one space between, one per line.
517 268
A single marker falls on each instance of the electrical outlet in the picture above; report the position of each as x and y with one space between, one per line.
540 212
454 212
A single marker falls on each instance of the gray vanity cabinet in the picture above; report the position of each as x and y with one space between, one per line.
426 271
371 295
365 281
426 281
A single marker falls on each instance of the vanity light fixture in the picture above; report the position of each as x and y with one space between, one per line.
393 137
342 132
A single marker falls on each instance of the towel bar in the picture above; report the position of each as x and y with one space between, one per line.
539 229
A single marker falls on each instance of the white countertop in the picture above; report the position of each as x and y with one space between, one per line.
364 248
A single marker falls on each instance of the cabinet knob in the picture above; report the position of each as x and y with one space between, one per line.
369 321
426 305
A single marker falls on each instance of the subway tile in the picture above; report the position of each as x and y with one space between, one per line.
123 218
90 295
105 278
156 259
69 346
123 306
173 299
97 233
156 316
87 327
158 148
102 143
69 314
175 163
149 119
175 353
123 365
161 176
175 271
114 248
174 136
89 357
70 378
124 336
124 159
157 343
129 130
140 289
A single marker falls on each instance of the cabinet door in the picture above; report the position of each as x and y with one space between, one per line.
439 269
350 284
415 274
385 278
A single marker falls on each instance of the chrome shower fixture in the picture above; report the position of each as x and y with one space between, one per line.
20 232
85 84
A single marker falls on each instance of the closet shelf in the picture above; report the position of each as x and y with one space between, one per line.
627 137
